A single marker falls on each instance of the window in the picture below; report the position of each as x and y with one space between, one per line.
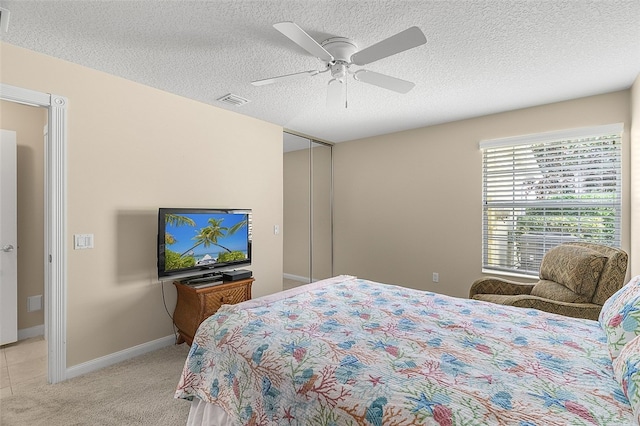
542 190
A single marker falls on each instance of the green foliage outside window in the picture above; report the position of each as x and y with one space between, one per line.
588 223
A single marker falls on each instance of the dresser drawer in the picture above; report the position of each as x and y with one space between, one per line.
231 296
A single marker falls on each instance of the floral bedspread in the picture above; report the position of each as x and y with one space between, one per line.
346 351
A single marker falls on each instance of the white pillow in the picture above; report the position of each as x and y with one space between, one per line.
620 316
626 369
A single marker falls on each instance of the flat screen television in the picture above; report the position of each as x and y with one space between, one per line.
199 242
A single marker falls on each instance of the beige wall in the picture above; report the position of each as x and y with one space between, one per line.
28 123
132 149
408 204
635 177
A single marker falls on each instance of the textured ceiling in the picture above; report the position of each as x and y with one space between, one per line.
481 57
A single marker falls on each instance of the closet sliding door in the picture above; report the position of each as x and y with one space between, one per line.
307 226
321 212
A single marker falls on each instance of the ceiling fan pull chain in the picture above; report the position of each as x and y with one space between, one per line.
346 93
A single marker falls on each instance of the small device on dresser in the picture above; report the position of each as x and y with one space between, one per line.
240 274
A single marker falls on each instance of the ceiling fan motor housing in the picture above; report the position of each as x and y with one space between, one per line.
341 48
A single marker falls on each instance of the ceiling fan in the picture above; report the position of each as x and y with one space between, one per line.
340 53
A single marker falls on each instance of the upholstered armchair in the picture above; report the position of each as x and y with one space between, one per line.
575 280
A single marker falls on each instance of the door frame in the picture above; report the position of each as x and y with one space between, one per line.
55 252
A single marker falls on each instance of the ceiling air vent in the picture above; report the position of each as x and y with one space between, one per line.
232 99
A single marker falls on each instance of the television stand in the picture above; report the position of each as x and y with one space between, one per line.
197 302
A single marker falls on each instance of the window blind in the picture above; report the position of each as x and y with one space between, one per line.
543 190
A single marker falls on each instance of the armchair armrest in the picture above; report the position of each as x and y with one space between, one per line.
493 285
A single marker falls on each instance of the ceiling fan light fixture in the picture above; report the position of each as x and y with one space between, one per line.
336 94
339 70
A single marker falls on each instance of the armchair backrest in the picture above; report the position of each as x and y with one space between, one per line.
613 272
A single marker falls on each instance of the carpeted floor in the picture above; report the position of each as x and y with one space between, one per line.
134 392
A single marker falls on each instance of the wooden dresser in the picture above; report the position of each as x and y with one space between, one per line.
195 304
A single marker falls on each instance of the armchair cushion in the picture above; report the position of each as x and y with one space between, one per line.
575 267
555 291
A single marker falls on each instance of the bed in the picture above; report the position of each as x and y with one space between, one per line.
347 351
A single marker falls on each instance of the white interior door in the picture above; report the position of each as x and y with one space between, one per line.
8 238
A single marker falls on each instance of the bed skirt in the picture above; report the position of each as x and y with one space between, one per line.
205 414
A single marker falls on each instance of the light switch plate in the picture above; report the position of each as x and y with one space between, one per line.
82 241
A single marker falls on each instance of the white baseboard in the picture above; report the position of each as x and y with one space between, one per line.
116 357
298 278
27 333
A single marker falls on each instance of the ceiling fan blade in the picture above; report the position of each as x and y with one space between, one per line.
336 94
304 40
405 40
384 81
284 77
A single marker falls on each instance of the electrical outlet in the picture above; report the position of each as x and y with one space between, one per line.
436 277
